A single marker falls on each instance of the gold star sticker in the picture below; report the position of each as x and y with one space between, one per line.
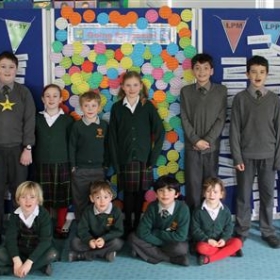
7 105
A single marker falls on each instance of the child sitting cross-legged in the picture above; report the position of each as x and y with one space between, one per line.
163 230
100 227
212 226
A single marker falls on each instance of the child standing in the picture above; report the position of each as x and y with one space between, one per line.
51 154
100 228
203 114
212 227
255 147
135 140
28 245
17 125
163 230
87 152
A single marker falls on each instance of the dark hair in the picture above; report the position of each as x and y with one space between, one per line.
51 86
90 95
10 56
133 74
202 58
211 182
168 182
257 60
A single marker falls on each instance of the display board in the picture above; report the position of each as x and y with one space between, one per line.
92 48
27 45
231 36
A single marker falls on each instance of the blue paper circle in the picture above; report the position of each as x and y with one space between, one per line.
172 48
112 73
61 35
155 49
102 18
139 49
141 23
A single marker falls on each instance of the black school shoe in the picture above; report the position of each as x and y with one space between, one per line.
272 240
180 260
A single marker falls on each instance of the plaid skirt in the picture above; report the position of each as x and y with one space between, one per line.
134 177
55 182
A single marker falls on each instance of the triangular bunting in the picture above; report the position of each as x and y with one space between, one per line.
271 28
17 31
233 30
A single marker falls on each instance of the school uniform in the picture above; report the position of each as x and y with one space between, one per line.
88 156
203 114
32 241
52 166
255 141
93 224
160 237
17 126
214 224
136 137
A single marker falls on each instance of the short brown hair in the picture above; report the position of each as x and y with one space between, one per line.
211 182
90 95
51 86
97 186
30 187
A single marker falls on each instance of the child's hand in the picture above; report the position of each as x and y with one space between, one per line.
99 242
26 157
25 268
240 167
92 244
221 243
17 265
202 145
213 242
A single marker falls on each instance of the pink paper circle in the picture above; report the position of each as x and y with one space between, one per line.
100 48
73 70
151 16
187 64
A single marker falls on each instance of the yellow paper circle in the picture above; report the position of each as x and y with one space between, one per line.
182 25
77 47
74 89
83 87
114 179
172 167
167 126
147 83
172 155
76 79
180 177
103 100
126 48
112 63
163 112
92 56
188 76
186 15
162 170
126 62
85 75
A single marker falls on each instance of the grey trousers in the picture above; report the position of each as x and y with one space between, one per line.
110 246
155 254
245 179
198 167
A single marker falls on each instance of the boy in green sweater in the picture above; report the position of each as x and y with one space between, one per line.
100 228
87 150
163 230
29 241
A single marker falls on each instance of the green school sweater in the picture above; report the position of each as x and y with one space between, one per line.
204 228
42 235
107 226
157 230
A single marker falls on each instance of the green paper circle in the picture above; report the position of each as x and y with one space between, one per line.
156 61
189 51
77 59
167 76
66 78
66 62
175 122
57 46
101 59
161 160
184 42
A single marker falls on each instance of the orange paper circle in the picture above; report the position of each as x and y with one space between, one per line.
75 18
114 16
105 82
174 19
66 12
159 96
65 94
185 32
172 63
89 16
132 17
165 55
165 12
75 115
172 137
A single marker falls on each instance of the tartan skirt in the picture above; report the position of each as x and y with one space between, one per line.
54 179
134 177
